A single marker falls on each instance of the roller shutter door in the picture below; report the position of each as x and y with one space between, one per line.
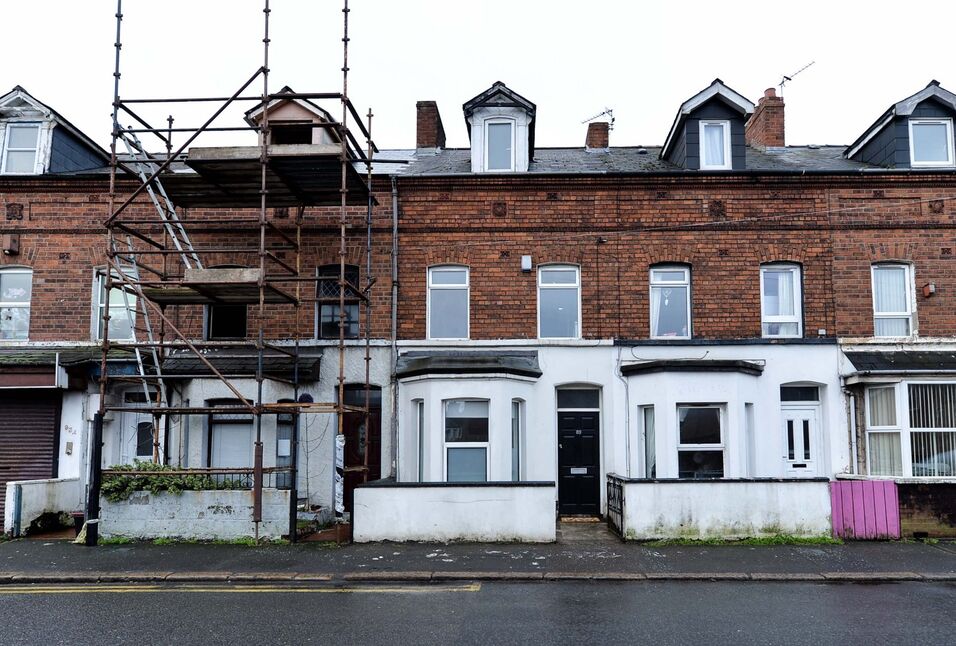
28 431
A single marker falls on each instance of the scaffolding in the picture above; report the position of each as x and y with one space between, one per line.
155 266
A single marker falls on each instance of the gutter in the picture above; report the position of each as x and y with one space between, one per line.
394 322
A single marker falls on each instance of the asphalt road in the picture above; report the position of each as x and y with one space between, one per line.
490 613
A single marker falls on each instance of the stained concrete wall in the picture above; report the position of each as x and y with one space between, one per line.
725 508
489 513
38 497
202 515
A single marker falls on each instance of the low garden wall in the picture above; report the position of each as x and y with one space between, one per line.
723 509
199 515
486 512
27 500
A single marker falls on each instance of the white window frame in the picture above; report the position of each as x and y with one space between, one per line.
648 442
728 161
909 285
6 147
576 285
797 316
464 445
487 140
428 300
28 306
903 427
949 143
722 446
517 406
99 278
420 430
662 284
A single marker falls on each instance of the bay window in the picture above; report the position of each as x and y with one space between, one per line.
466 440
913 435
700 448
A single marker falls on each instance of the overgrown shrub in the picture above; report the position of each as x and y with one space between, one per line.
117 487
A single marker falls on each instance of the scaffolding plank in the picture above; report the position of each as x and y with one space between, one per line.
215 293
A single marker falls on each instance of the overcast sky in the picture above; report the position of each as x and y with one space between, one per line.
572 58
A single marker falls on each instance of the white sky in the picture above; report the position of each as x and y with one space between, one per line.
571 58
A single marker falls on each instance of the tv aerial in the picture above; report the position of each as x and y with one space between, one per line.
786 77
608 112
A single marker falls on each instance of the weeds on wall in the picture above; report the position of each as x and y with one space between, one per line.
117 487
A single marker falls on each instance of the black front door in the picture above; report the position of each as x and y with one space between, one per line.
579 468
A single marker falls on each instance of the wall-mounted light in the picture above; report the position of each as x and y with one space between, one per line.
526 263
929 289
11 244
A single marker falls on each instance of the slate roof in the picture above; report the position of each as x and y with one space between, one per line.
922 360
639 159
231 361
522 363
47 355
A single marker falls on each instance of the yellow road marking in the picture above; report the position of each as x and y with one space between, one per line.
230 589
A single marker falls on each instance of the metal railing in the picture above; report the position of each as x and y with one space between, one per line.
615 504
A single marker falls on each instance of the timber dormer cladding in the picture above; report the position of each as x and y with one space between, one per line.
916 132
36 140
294 121
708 131
501 128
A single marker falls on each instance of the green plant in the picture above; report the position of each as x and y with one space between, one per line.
119 486
115 540
775 539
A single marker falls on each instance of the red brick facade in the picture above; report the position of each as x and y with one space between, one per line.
724 228
62 239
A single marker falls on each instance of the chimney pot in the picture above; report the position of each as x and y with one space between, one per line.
430 134
765 128
598 137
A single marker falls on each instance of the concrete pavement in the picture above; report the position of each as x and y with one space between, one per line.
25 561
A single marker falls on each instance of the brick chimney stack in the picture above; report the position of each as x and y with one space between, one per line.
765 127
430 134
597 138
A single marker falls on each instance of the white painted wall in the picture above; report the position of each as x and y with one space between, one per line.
38 497
201 515
455 513
188 437
718 509
597 364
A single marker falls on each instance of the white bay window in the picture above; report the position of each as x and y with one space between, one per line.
466 440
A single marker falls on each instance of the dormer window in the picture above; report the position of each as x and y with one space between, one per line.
499 146
715 145
501 128
931 142
20 145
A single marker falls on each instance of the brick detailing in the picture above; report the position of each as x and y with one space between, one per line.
63 240
598 135
765 126
832 227
928 510
429 132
